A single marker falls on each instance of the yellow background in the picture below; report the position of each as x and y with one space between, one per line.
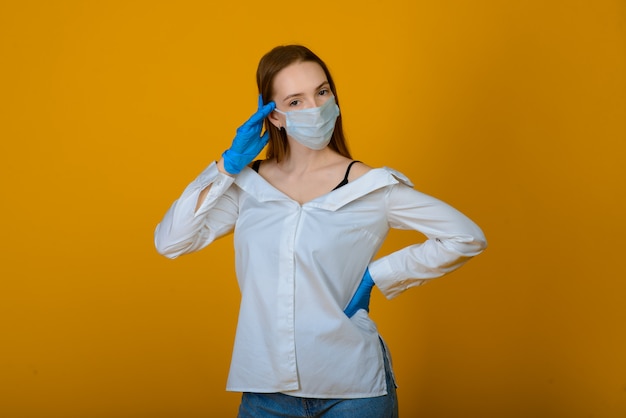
513 112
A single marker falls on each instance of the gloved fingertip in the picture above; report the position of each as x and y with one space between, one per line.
269 107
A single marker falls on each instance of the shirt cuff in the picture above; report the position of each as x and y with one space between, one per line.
388 280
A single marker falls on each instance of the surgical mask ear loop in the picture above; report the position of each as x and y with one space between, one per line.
278 124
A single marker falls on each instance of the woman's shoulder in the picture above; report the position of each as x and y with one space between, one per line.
358 169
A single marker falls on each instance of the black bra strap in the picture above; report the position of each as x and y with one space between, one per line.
256 164
345 178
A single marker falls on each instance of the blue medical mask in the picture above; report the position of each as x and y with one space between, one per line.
313 127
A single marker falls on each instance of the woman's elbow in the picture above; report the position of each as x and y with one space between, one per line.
478 245
476 239
481 243
163 246
468 245
166 253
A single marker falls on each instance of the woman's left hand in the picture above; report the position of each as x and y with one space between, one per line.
361 298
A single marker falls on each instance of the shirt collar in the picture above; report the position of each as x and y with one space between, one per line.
256 186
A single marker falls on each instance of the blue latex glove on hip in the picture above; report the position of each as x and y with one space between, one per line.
361 298
248 141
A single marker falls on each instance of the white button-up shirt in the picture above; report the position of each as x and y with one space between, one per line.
298 266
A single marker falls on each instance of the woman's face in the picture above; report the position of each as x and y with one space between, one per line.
301 85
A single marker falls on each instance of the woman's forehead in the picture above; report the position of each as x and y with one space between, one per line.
299 77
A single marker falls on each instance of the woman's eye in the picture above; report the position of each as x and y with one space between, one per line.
323 92
294 103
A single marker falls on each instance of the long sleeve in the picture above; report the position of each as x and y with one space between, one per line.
183 229
452 239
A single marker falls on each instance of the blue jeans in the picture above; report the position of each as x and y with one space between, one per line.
279 405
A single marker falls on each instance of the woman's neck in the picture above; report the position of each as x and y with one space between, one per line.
301 159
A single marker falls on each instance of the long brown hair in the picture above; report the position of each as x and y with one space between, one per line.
271 63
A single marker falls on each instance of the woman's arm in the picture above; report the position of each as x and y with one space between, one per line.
452 239
206 210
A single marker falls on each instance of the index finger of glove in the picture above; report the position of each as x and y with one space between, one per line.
262 113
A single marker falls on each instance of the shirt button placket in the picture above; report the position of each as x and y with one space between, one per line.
286 292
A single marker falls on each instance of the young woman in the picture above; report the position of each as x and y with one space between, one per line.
307 222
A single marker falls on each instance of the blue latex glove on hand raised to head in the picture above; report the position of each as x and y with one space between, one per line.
248 142
361 298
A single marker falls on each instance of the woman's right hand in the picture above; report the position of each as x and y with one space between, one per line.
248 141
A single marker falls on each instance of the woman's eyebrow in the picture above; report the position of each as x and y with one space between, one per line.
300 94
